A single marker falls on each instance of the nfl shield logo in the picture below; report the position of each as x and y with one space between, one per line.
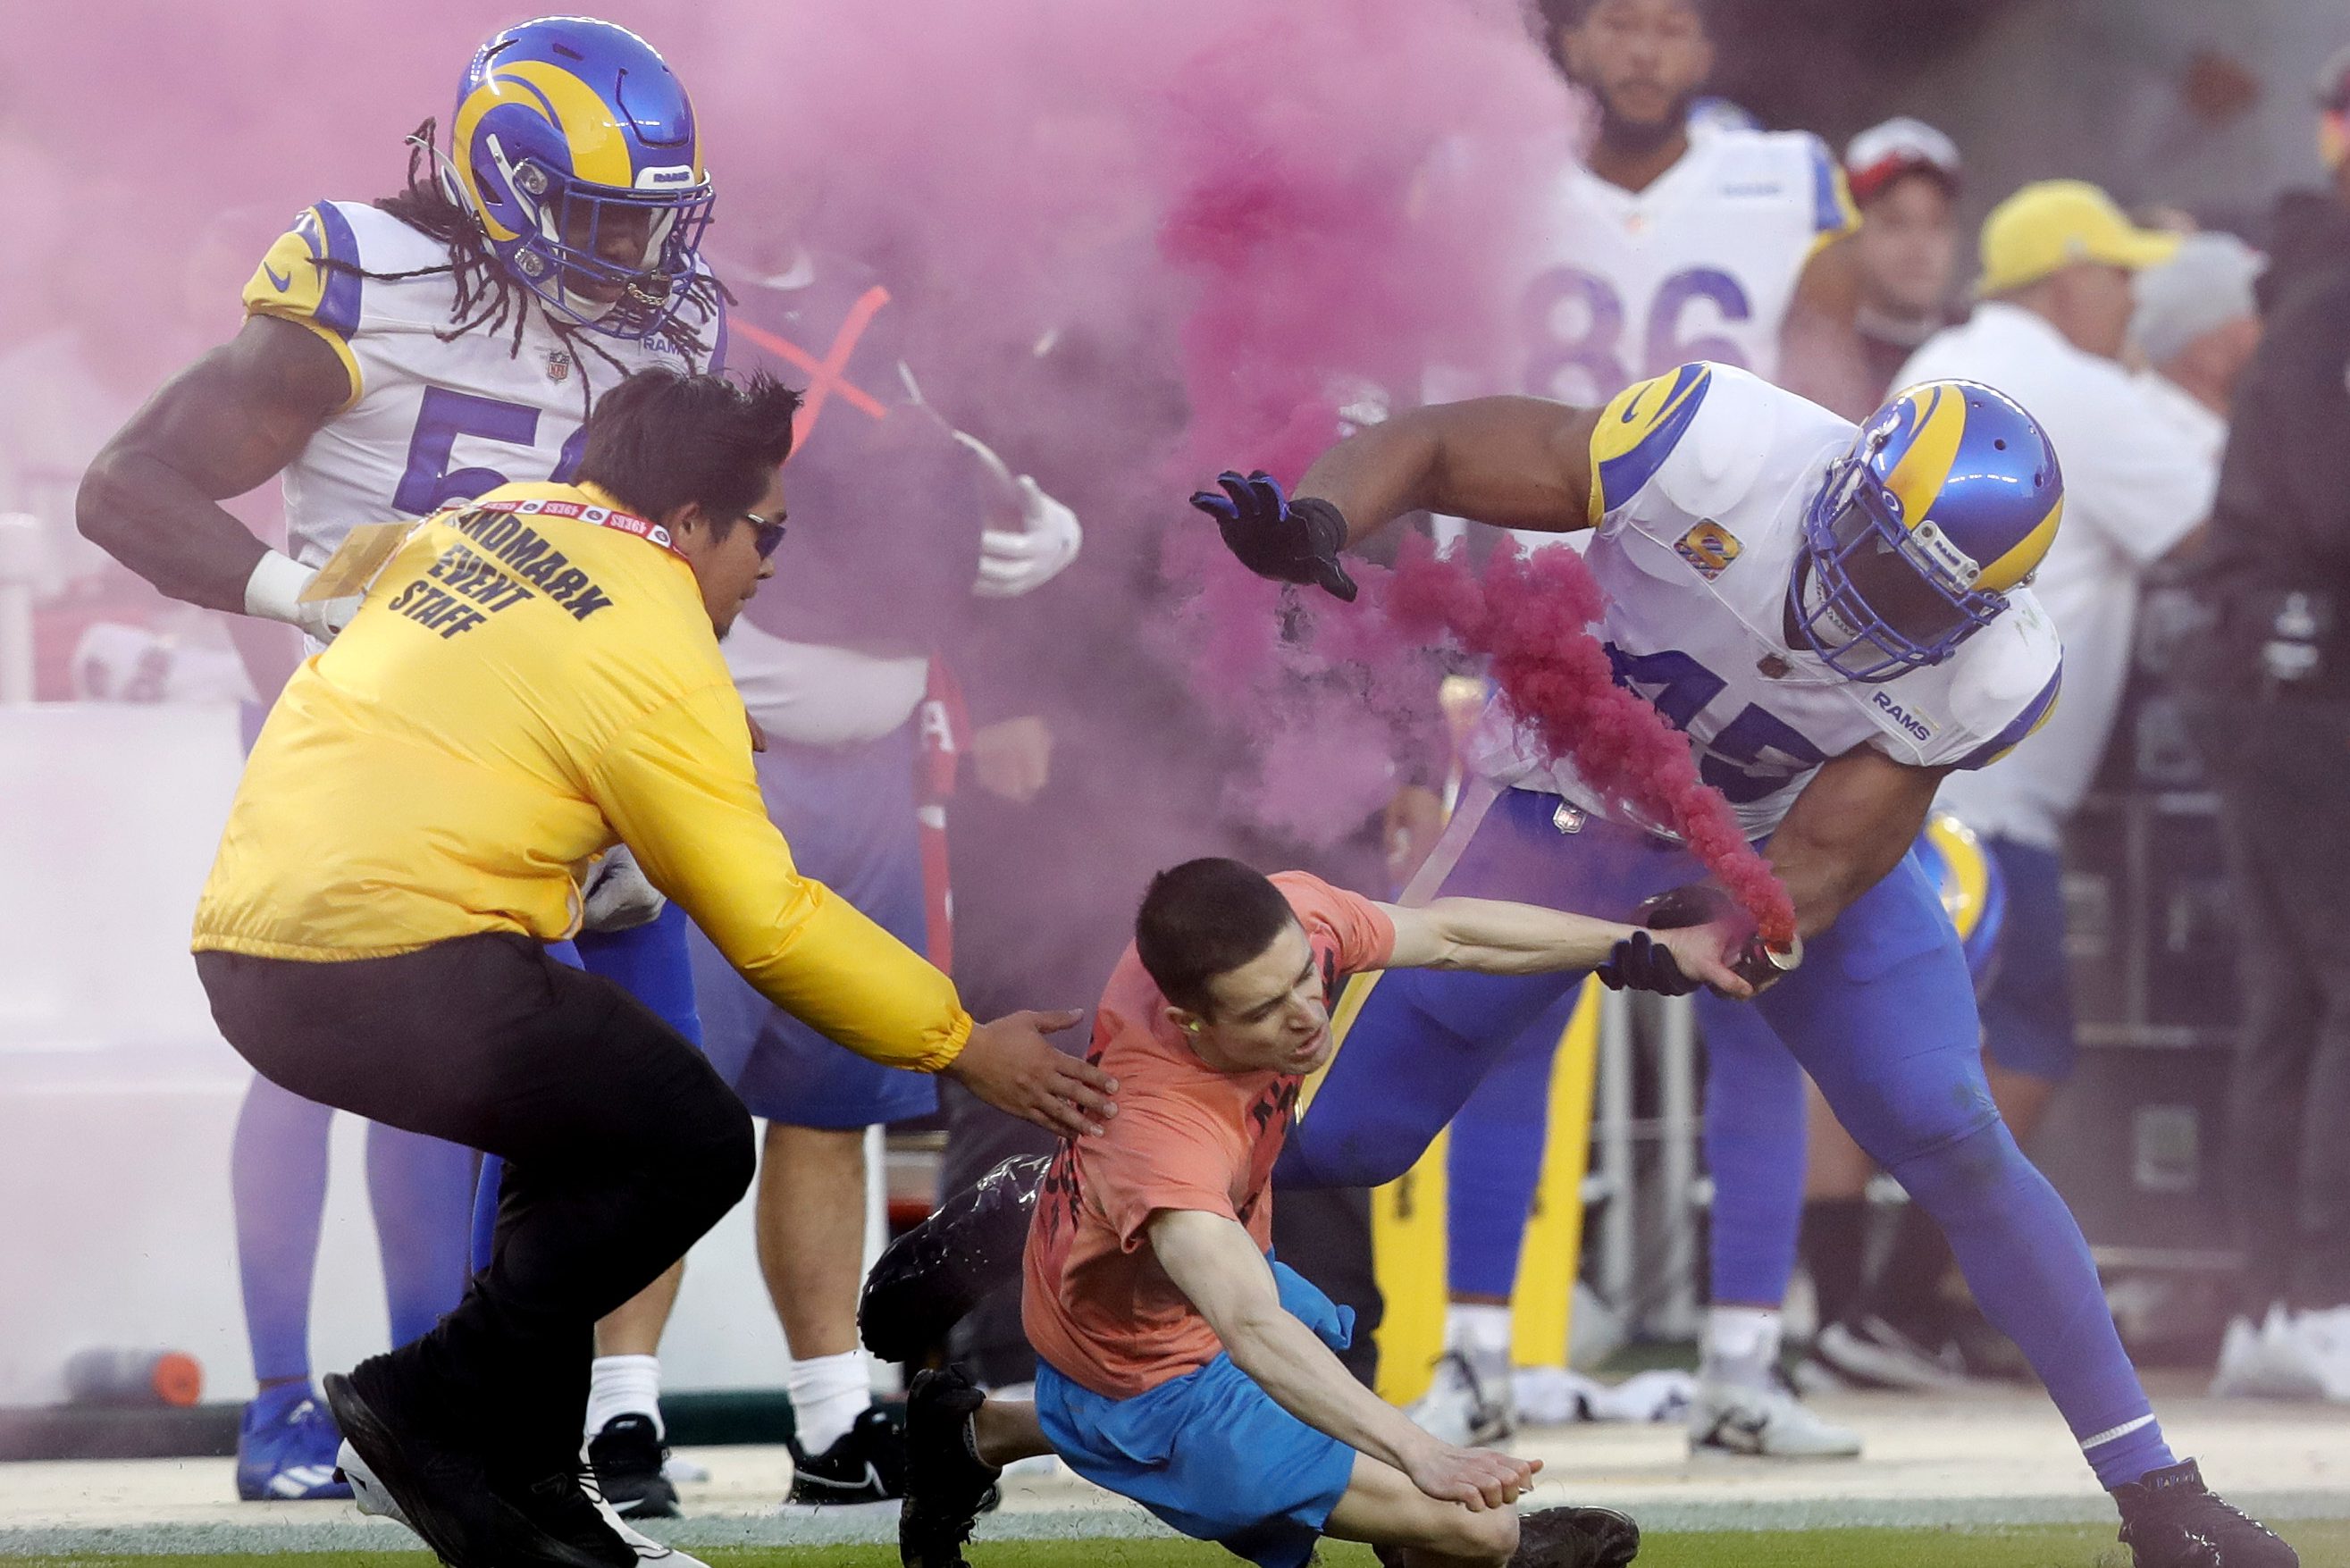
559 364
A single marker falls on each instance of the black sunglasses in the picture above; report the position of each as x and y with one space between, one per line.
771 535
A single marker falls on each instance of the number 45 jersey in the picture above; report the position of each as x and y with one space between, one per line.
1702 264
432 418
1701 480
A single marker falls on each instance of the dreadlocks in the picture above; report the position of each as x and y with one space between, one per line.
488 299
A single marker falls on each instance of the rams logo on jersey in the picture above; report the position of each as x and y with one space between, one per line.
1710 548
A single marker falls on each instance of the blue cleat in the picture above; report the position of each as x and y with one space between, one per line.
285 1449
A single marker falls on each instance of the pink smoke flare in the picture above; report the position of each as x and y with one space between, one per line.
1530 615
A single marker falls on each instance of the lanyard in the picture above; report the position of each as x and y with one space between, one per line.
602 516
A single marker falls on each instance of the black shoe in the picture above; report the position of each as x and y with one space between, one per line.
627 1457
926 1281
567 1506
948 1485
441 1492
2170 1520
1575 1538
865 1464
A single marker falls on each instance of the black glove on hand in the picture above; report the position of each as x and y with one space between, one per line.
1288 541
1640 962
1702 903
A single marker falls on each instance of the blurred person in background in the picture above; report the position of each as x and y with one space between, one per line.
2267 699
394 356
1904 176
2058 263
2195 323
1680 234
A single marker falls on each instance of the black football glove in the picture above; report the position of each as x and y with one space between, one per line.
1757 962
1289 541
1640 962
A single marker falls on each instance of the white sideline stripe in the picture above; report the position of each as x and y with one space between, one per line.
2112 1433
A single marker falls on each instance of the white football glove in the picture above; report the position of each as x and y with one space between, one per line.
275 593
616 897
1015 563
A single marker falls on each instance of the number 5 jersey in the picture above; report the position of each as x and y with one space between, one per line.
434 415
1701 480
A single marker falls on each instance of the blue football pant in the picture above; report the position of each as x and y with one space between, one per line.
1881 1014
649 962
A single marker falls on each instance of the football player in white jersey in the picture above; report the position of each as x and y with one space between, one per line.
395 357
1837 618
1666 242
1684 231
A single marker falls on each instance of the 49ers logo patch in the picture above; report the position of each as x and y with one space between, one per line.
1710 548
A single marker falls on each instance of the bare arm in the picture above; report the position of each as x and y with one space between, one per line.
1493 936
218 429
1851 825
1518 462
1819 344
1215 1264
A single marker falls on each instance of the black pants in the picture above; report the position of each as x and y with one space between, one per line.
2282 772
622 1146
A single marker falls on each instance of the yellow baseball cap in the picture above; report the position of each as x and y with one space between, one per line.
2053 223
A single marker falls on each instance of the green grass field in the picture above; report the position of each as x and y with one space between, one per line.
2321 1544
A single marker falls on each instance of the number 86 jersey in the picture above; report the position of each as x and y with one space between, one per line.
1700 479
431 418
1702 264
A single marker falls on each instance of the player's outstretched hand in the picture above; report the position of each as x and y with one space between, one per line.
1477 1479
1013 1066
1289 541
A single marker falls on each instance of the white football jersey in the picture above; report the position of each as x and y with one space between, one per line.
432 419
1702 264
1702 478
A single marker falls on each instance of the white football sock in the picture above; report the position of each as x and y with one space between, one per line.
1742 1345
624 1386
1480 1330
829 1393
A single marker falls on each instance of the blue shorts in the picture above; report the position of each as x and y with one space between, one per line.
2027 1012
1209 1452
849 812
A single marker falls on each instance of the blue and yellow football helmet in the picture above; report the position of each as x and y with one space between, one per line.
575 148
1974 894
1948 497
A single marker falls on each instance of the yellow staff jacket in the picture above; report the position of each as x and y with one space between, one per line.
523 688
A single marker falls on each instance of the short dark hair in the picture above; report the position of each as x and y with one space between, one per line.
1558 14
1203 919
663 439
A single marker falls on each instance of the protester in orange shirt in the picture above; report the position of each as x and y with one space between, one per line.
1179 1366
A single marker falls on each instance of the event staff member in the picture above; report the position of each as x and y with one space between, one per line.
535 677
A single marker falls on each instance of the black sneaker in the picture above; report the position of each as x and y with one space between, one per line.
441 1492
1868 1352
948 1486
2170 1520
1575 1538
568 1507
627 1457
926 1281
865 1464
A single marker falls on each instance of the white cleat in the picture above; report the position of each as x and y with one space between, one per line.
2272 1359
1763 1423
368 1494
1461 1409
2316 1350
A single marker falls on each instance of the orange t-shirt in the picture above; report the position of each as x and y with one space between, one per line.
1095 1301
